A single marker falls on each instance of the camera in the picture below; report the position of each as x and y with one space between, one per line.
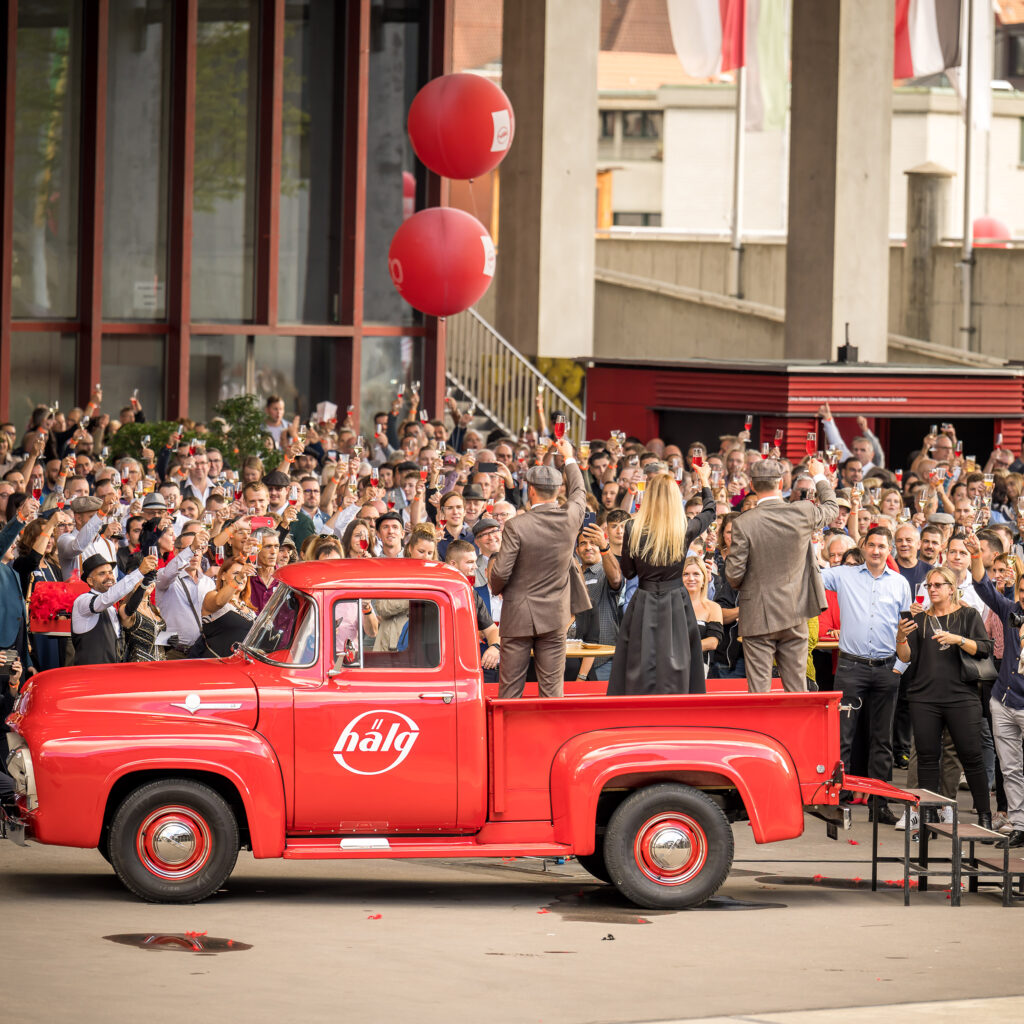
1016 619
7 660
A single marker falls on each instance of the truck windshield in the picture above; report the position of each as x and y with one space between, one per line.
285 632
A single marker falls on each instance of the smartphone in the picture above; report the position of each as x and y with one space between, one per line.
487 467
905 616
261 522
589 519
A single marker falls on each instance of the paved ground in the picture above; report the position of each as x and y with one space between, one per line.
515 941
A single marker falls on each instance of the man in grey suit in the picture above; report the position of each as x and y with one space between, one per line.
532 570
772 565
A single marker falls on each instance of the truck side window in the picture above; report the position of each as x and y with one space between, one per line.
408 635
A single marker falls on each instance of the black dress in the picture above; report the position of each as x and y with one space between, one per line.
658 650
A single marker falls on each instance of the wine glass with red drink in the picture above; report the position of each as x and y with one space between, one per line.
559 426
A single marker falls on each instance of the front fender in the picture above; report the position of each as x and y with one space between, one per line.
757 765
75 774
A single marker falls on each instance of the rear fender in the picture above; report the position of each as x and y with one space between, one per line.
758 766
74 789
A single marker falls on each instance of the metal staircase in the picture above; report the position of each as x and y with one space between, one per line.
499 379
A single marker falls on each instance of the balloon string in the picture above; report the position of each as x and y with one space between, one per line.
472 198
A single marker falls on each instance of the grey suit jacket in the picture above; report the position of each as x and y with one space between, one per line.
532 567
771 563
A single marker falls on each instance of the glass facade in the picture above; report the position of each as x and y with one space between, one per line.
224 172
398 62
313 139
134 362
42 369
195 201
47 167
138 160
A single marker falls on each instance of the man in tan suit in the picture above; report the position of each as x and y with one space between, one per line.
772 565
531 571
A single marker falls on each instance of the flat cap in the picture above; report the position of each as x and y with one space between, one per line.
843 502
393 515
86 503
154 500
485 525
941 519
544 476
472 492
766 469
277 479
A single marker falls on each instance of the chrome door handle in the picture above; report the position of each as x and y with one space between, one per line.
446 696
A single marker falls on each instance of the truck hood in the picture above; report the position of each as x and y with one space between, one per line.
213 689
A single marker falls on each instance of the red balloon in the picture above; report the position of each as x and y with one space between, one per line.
992 231
441 260
461 125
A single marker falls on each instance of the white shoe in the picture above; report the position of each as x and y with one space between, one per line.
946 815
1000 821
915 821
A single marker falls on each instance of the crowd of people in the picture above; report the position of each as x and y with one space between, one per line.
899 587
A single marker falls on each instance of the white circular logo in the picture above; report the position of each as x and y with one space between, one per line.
386 742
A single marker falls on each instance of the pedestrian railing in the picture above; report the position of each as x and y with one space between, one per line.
491 372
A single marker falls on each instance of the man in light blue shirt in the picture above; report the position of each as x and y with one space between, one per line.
871 597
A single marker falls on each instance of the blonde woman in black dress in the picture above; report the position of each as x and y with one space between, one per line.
659 645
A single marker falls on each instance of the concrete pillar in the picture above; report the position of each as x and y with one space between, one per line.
928 194
545 267
837 263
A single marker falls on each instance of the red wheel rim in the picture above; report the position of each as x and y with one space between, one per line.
174 843
670 848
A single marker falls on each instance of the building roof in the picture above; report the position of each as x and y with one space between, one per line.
1010 12
635 26
476 34
619 71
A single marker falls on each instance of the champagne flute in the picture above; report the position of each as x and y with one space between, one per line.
559 426
811 444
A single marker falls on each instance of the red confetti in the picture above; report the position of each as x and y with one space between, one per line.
818 878
857 878
543 910
373 917
853 842
231 942
913 884
642 920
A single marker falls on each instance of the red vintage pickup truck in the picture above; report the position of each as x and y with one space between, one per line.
309 744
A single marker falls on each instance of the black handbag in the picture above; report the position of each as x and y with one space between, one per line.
977 670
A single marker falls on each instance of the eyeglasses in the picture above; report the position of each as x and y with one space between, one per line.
935 586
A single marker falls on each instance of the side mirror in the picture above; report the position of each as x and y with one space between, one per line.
351 655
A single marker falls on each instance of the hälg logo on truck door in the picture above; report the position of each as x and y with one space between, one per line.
375 742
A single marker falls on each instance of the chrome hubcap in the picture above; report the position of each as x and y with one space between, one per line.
670 849
174 843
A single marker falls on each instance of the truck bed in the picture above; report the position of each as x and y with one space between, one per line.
527 734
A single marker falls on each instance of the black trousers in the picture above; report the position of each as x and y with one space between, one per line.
877 688
964 724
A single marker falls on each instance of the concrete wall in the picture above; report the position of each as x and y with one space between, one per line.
701 264
637 322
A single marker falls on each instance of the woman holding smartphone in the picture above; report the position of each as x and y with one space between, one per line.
932 642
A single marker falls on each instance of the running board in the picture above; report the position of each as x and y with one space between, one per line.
365 847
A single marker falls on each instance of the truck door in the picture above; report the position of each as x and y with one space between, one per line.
375 745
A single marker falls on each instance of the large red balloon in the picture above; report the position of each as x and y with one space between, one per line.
991 233
461 125
441 260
